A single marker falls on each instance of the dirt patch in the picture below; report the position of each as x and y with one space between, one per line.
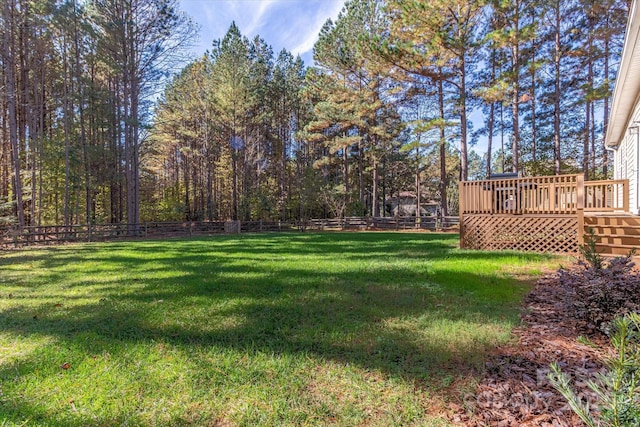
515 390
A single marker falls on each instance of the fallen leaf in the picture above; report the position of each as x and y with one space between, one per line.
65 365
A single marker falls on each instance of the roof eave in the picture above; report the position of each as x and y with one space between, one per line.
627 89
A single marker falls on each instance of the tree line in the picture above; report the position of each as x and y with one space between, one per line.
400 92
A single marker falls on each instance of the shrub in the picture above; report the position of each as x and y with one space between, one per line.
618 389
589 250
603 289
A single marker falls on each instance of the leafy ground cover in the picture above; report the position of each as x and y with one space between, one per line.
599 366
287 329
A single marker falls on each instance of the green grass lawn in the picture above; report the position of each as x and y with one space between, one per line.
269 329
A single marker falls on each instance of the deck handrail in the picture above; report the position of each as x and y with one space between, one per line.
607 195
535 213
556 195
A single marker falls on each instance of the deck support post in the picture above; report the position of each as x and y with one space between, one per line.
580 208
461 198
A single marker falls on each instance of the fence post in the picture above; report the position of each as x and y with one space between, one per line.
232 227
580 209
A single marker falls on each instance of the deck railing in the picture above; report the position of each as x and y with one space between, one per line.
556 195
606 196
544 214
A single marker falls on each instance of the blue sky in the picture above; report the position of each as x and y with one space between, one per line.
290 24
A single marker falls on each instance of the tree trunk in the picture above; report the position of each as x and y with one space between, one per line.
443 149
10 88
135 147
360 176
345 174
502 138
492 113
605 119
375 205
556 101
534 125
234 167
585 145
83 132
515 106
67 111
464 168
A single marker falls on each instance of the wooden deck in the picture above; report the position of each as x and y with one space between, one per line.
617 234
546 214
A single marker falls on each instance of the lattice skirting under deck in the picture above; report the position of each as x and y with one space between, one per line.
530 233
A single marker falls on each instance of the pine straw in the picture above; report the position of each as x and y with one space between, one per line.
515 390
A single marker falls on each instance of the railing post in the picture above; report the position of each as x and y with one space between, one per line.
580 208
625 194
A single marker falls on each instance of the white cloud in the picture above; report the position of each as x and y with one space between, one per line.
290 24
311 36
258 15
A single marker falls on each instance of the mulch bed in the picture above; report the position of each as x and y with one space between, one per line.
515 390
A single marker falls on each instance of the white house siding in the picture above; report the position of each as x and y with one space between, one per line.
622 132
626 160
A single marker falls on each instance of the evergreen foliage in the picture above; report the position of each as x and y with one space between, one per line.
618 389
246 133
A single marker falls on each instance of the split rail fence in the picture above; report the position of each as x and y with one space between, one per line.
538 214
42 235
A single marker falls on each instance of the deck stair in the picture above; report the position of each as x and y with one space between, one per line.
616 234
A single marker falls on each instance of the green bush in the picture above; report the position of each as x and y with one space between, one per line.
603 290
618 389
589 250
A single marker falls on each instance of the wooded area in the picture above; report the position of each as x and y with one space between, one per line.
400 92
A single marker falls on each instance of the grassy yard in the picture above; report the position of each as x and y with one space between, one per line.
289 329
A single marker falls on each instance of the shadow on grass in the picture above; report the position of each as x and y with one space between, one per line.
371 315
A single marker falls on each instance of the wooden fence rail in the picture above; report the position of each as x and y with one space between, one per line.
384 223
55 234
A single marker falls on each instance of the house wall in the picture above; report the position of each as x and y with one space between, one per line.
627 161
